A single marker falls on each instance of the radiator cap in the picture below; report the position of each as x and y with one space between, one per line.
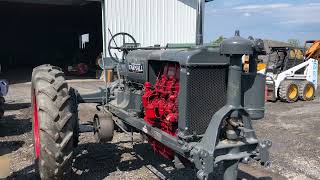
236 45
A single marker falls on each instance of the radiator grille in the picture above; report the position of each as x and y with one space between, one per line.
206 94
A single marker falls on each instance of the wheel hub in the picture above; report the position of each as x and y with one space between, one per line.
309 91
293 91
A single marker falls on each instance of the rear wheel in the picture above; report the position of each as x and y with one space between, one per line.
306 91
54 123
288 91
1 106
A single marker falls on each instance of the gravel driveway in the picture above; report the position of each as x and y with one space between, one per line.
293 129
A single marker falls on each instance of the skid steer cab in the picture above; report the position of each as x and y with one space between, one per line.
4 87
290 76
193 104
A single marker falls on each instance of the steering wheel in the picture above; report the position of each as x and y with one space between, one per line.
124 48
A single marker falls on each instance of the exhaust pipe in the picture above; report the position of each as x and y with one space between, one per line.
200 19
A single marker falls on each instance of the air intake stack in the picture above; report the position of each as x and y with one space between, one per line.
235 47
200 19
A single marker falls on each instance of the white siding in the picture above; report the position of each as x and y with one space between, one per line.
152 22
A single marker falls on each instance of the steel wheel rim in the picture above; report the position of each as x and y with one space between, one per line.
36 134
309 91
293 91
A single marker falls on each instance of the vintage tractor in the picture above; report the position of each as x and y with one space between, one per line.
193 104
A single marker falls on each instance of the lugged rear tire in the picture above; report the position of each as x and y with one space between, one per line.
1 106
54 123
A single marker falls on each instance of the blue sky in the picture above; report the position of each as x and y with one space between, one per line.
266 19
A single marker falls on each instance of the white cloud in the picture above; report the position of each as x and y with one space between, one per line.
314 4
301 21
284 13
247 14
262 7
301 14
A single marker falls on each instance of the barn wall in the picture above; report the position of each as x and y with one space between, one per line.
153 21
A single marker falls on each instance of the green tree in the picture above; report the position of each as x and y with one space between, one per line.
219 40
294 42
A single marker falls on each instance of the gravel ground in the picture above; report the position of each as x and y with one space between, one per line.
293 129
295 135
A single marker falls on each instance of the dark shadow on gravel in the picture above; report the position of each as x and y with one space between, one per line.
26 173
97 161
12 125
7 147
164 167
16 106
189 173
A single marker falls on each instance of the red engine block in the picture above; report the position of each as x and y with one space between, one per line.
161 105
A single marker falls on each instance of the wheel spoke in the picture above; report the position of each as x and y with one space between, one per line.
123 40
123 47
112 47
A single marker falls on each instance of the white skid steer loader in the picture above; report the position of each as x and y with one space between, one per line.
291 77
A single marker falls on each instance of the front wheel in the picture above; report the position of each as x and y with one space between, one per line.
54 122
288 91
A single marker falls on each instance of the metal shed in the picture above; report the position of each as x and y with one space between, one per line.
149 21
152 21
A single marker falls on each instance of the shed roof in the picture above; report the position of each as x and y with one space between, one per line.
57 2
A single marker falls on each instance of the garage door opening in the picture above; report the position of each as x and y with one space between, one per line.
32 34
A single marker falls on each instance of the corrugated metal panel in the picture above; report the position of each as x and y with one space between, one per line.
153 22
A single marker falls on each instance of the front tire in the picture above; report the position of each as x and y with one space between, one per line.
104 127
54 122
288 91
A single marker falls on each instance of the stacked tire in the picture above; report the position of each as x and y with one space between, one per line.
292 90
55 123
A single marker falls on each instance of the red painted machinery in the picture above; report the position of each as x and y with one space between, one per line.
160 104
